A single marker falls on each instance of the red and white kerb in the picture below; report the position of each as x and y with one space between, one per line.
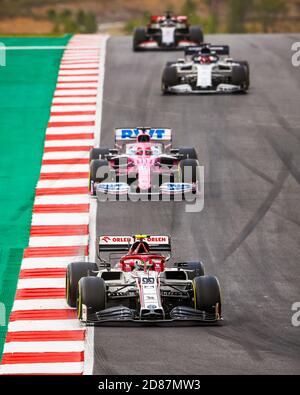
44 335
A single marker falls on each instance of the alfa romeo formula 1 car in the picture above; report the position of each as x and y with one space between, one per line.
205 69
143 163
141 289
167 32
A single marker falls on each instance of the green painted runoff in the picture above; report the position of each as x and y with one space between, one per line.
27 83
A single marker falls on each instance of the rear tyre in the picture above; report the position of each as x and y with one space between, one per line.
239 77
195 269
75 271
96 175
139 36
98 153
207 294
91 296
169 78
196 34
189 169
188 153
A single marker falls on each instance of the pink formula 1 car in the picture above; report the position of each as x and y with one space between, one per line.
143 163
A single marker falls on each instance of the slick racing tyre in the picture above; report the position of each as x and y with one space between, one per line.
189 170
91 295
188 153
196 34
194 269
139 36
168 64
169 78
207 294
98 153
97 175
247 68
75 271
239 77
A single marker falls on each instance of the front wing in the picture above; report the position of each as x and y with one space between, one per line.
179 316
166 189
153 45
221 88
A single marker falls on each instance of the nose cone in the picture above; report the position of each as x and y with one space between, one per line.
144 177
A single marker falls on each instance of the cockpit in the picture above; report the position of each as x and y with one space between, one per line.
144 149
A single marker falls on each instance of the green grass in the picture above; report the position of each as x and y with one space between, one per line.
27 84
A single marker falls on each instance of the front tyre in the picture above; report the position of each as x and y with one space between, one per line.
98 153
207 294
139 36
189 171
91 297
193 269
246 65
188 153
169 78
240 77
75 271
97 174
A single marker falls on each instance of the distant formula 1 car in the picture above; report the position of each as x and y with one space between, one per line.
144 163
167 32
206 69
141 290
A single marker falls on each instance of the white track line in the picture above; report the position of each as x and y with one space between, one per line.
89 337
45 47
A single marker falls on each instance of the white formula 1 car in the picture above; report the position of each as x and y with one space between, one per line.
206 69
167 32
140 289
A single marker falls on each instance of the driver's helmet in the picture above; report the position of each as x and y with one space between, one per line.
138 264
203 59
205 50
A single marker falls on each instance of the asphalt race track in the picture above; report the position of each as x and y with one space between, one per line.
248 233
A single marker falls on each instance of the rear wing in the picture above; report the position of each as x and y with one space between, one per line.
109 243
215 49
163 135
